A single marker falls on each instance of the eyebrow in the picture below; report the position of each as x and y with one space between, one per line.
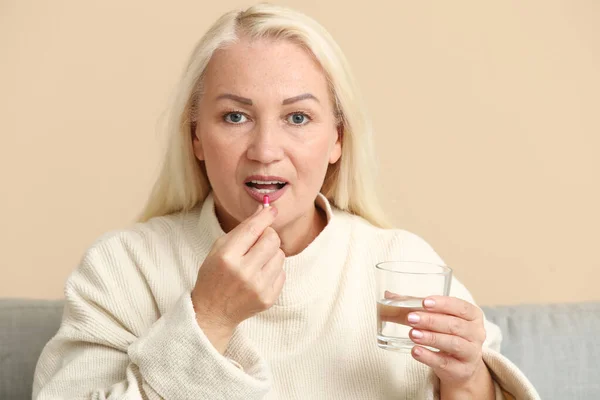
233 97
247 101
300 97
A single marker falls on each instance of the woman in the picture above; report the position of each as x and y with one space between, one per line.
213 296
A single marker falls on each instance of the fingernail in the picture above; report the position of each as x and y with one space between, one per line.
417 334
414 318
273 210
417 351
428 303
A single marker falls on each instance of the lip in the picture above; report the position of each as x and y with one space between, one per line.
259 196
265 178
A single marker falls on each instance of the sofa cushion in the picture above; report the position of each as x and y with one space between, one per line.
25 328
556 346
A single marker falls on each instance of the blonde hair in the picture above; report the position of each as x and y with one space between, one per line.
349 184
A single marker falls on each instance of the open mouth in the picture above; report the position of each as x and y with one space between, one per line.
265 187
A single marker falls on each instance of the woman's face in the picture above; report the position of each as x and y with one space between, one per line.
265 125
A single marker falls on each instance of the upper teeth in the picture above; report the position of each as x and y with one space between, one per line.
268 182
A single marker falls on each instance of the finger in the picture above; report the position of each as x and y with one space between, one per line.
263 250
473 331
394 296
453 306
272 269
258 209
243 236
456 346
443 365
396 314
278 284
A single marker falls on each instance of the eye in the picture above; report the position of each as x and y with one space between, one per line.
234 118
298 119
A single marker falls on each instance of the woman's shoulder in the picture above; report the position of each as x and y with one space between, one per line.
161 229
392 243
384 244
142 244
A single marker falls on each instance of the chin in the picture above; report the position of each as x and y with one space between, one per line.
286 218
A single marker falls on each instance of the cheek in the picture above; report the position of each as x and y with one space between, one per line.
312 163
220 159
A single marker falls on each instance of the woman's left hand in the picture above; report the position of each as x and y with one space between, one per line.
455 327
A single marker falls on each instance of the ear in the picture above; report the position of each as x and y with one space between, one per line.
196 143
336 151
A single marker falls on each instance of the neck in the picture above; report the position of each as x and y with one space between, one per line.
312 223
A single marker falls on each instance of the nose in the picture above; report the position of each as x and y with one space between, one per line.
266 143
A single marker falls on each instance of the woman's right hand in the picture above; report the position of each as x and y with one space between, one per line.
241 276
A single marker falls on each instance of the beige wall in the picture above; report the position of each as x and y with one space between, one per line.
487 118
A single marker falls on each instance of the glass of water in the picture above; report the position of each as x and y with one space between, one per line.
401 288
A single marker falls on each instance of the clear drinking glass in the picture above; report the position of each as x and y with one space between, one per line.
401 288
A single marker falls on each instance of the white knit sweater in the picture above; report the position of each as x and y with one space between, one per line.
129 329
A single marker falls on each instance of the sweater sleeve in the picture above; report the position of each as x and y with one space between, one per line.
114 343
509 381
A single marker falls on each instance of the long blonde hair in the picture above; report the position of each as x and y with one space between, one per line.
349 183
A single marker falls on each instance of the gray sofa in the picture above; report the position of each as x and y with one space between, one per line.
556 346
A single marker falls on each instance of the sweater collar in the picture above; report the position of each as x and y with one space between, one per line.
306 271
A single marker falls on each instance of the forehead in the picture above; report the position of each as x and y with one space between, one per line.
263 65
